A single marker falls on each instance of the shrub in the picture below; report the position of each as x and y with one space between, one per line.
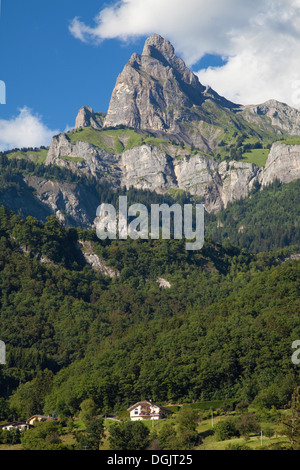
226 429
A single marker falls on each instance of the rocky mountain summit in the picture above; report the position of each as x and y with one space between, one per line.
164 131
157 92
184 136
280 114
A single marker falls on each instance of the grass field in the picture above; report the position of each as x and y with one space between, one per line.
292 141
256 156
206 429
72 159
114 140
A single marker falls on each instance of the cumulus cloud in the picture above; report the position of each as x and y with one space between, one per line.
24 130
259 38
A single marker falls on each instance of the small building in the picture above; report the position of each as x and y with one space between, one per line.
15 425
145 409
39 418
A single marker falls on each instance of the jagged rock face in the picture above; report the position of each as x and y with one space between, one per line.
72 204
155 90
84 157
150 168
83 117
158 93
281 115
237 179
216 183
147 167
283 163
86 117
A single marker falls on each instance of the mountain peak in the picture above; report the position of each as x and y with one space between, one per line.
155 43
155 91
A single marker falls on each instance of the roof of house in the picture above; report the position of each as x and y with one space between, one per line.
41 417
14 423
144 402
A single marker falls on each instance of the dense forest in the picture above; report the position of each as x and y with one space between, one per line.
269 219
224 328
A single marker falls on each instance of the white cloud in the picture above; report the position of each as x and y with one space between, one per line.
260 38
24 130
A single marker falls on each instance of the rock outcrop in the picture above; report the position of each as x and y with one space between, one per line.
95 261
73 204
86 117
280 116
84 157
283 164
148 167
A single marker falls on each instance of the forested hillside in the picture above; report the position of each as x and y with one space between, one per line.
267 220
224 328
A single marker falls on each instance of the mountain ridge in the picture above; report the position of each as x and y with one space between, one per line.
164 131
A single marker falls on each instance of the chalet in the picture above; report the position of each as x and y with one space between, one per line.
39 418
145 409
15 425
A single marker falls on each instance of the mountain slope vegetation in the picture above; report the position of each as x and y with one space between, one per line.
223 329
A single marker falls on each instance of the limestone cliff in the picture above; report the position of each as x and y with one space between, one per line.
84 157
150 168
283 164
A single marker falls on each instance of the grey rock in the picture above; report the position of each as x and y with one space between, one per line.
147 167
150 168
84 157
156 91
163 283
95 261
86 117
71 203
280 116
283 164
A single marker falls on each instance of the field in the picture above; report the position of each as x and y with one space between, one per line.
114 140
256 156
207 424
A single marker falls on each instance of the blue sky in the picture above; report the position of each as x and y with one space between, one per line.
58 56
46 69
